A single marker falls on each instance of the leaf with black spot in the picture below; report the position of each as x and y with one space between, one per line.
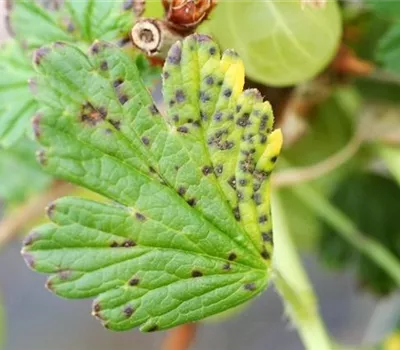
172 249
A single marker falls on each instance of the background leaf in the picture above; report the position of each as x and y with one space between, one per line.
389 49
17 104
20 173
371 202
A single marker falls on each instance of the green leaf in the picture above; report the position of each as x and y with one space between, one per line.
280 42
389 49
191 235
75 21
80 22
371 202
16 101
20 174
387 9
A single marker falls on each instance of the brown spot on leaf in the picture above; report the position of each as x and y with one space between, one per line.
128 311
181 190
262 219
122 98
128 243
232 182
145 140
30 239
50 209
36 125
92 116
134 282
64 275
96 308
29 259
41 157
250 286
236 213
39 54
191 202
226 267
180 96
207 169
265 255
117 83
140 216
115 123
196 273
153 110
232 256
183 129
175 54
104 66
267 236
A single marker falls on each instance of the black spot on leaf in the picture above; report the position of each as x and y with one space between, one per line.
140 216
228 93
207 170
191 202
50 209
39 54
128 243
134 282
209 80
232 182
262 219
196 273
183 129
145 140
250 286
175 54
180 96
122 98
104 66
128 311
232 257
181 190
267 236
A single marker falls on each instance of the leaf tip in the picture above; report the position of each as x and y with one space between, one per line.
39 54
29 259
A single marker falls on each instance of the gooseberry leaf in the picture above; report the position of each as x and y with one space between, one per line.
371 202
75 21
80 22
388 52
20 174
190 233
282 42
17 104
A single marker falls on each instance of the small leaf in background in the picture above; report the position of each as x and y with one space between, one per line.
17 104
371 201
386 9
191 235
20 174
281 43
389 49
75 21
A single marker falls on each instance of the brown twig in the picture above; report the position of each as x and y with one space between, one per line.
347 63
12 224
180 338
304 174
